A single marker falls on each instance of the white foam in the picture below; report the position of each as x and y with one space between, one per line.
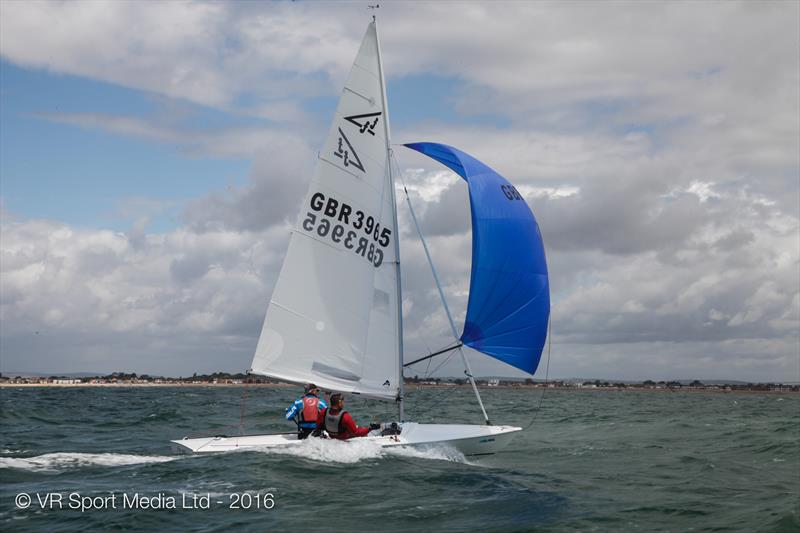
51 462
356 450
332 450
6 451
436 452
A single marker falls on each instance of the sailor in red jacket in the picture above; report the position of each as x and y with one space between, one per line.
338 422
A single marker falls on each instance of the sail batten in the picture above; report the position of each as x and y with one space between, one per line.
509 299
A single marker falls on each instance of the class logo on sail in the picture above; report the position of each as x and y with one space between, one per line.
348 155
365 125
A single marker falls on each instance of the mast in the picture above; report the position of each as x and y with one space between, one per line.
467 369
400 390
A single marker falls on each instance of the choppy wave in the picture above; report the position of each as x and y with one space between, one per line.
672 462
53 462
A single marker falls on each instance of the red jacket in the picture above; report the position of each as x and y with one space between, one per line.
348 425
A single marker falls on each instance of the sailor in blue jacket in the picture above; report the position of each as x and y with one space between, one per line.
304 411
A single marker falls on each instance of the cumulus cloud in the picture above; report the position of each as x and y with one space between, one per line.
207 53
278 180
642 252
94 300
658 150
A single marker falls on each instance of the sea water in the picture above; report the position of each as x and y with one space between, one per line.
92 458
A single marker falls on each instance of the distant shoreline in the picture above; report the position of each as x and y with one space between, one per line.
149 385
412 386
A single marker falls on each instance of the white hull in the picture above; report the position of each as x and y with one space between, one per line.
467 439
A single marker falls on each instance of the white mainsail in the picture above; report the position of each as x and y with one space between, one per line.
333 315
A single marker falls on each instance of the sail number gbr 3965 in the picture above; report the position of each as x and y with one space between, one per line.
355 230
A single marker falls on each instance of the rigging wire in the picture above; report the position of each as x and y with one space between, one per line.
546 374
424 375
434 354
427 367
435 397
424 405
547 369
428 372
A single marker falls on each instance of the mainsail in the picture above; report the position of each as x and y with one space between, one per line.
333 315
509 297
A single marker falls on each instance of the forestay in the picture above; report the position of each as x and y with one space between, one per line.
509 298
332 318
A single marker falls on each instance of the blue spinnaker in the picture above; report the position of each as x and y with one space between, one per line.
509 296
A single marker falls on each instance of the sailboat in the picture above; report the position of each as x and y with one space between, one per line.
335 315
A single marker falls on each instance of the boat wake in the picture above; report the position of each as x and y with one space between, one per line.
54 462
357 450
438 452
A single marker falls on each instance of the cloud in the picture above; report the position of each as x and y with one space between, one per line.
206 53
641 251
159 48
94 299
239 141
658 150
277 183
564 66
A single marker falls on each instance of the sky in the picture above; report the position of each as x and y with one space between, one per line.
154 156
